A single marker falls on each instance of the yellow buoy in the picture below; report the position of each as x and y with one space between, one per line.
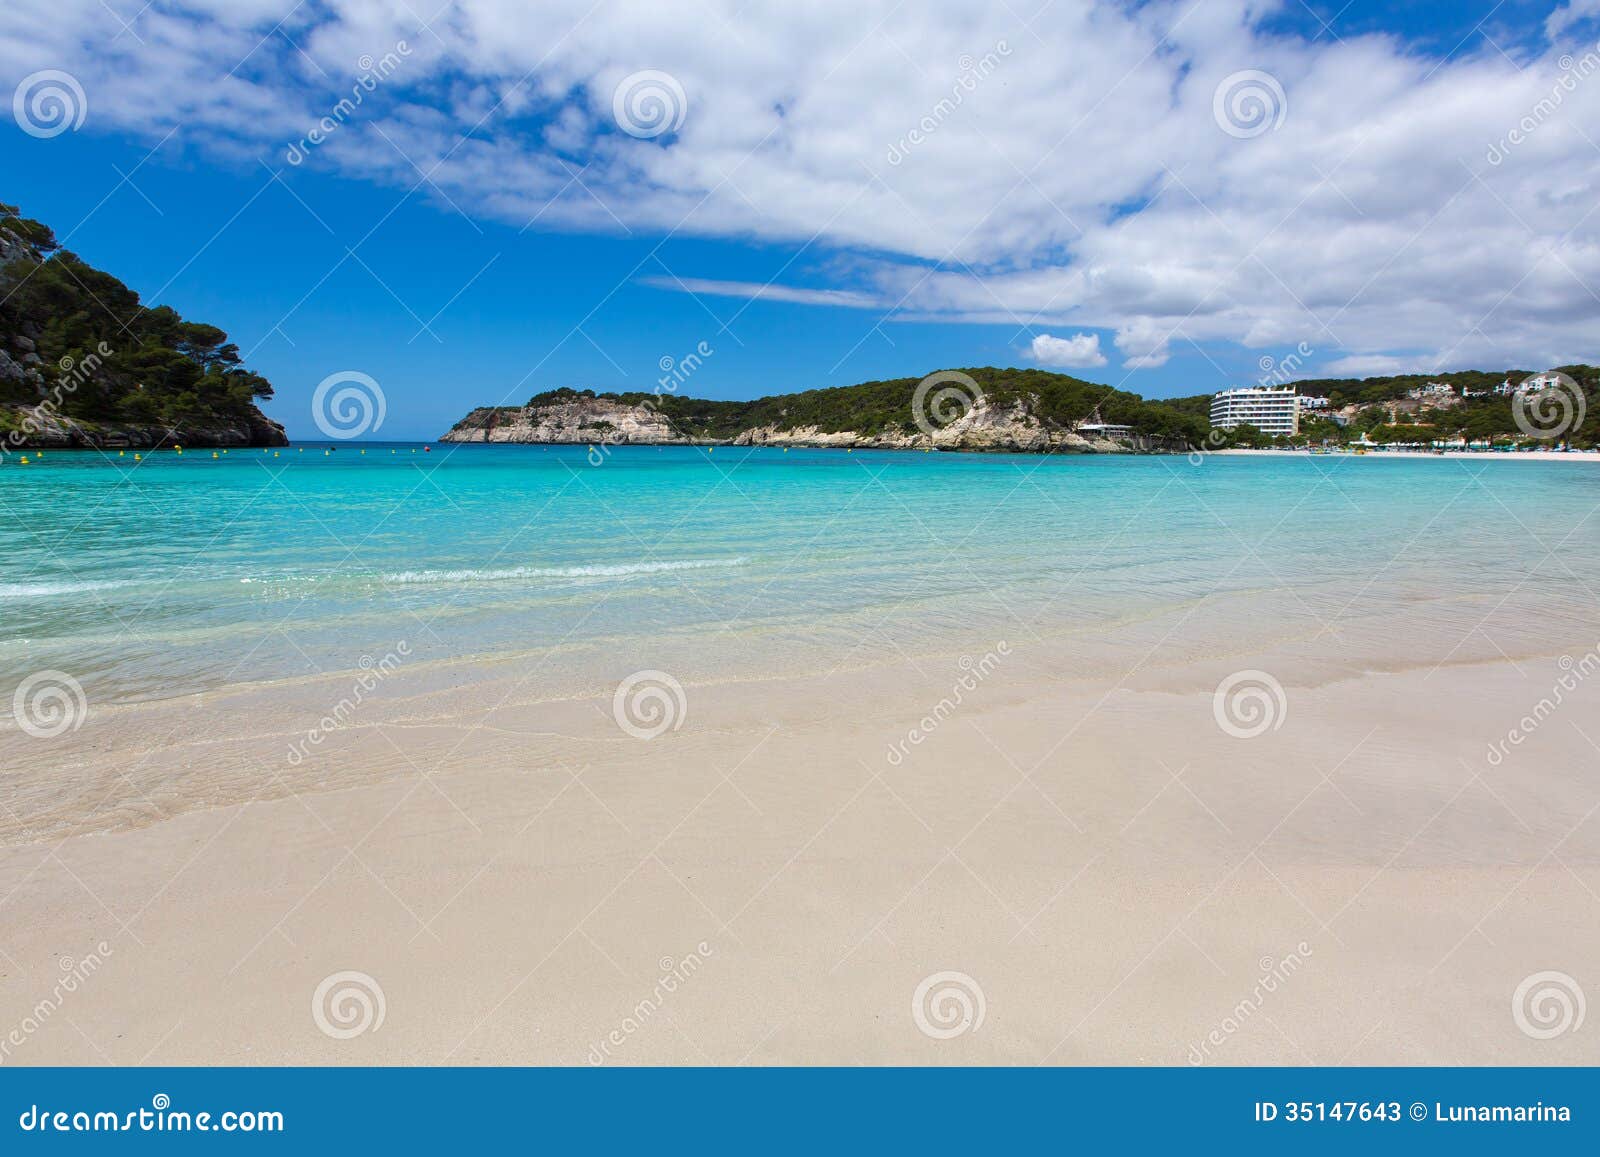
24 459
138 457
214 454
120 453
302 449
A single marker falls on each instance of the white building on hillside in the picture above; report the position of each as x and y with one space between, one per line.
1532 385
1104 430
1272 410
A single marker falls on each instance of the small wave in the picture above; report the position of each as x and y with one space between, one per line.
45 590
508 574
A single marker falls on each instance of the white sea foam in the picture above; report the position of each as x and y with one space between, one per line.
45 590
597 570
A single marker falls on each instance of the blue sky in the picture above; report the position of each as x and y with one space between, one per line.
548 249
508 312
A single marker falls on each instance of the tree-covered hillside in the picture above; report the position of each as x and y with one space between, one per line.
1382 411
1392 387
872 408
78 341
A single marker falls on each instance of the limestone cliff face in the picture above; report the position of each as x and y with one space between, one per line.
582 421
982 427
601 421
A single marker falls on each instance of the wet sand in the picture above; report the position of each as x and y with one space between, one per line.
1069 869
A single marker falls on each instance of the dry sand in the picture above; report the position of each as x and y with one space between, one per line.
1496 455
1121 880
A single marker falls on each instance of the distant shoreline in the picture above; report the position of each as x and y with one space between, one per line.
1064 452
1497 455
1052 452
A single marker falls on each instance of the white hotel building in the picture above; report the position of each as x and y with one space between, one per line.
1272 410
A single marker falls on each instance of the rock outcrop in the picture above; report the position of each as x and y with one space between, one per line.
36 427
596 421
580 421
84 363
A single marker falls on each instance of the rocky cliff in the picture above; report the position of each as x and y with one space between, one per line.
84 363
35 427
580 421
574 419
984 426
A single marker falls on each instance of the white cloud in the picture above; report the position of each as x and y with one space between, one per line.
759 291
1143 341
1076 180
1081 350
1375 365
1573 12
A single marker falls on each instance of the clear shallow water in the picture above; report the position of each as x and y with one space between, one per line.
179 574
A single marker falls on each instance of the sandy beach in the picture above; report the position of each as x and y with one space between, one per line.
1091 870
861 544
806 758
1466 455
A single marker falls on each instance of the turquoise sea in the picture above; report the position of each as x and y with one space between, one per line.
175 574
